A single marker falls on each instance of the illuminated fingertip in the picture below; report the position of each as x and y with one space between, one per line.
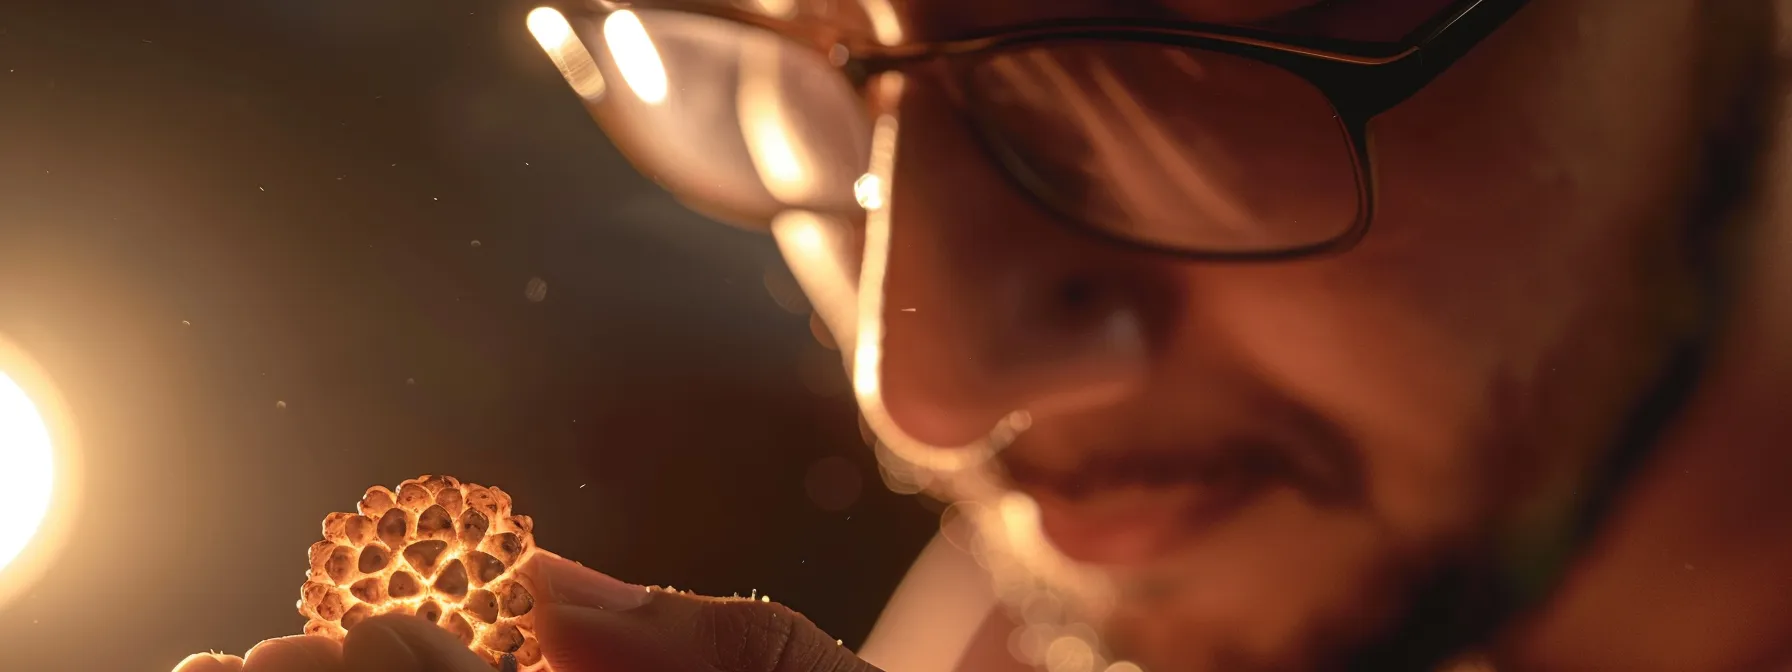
300 653
210 662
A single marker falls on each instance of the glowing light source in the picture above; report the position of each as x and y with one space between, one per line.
549 27
563 47
40 460
778 155
636 56
884 22
775 156
27 458
869 190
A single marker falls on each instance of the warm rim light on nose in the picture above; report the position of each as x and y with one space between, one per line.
563 47
27 457
636 56
868 334
868 354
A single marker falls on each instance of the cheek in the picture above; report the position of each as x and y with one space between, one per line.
1410 390
1492 252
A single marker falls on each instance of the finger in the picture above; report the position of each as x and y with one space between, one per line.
402 643
593 623
563 581
210 662
301 653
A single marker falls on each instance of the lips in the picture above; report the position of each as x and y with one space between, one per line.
1129 507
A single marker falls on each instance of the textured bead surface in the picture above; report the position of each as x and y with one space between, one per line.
434 547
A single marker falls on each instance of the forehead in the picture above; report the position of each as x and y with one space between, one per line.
934 20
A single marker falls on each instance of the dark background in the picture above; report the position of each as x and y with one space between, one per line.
208 208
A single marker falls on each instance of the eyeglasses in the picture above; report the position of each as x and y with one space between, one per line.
1208 142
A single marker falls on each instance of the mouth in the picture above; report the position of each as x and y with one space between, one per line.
1122 508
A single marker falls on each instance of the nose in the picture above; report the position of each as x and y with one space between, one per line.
991 306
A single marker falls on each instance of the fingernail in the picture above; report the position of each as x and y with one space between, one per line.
569 583
296 653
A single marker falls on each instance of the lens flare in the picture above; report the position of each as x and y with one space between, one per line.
780 158
636 56
549 27
563 47
884 22
869 191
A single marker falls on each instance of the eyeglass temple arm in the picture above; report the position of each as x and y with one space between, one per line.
1448 42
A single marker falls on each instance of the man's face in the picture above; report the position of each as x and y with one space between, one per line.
1265 455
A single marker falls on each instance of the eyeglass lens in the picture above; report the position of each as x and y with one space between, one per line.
1168 146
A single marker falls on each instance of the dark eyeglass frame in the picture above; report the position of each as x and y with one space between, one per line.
1361 80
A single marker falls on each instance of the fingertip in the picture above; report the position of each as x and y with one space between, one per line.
210 662
539 562
681 632
375 645
659 636
543 554
299 653
571 635
558 580
404 643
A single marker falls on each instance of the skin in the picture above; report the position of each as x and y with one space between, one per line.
1452 379
1513 296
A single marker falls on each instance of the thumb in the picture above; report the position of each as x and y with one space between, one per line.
590 622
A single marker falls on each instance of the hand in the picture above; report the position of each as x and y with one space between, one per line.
390 643
586 622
